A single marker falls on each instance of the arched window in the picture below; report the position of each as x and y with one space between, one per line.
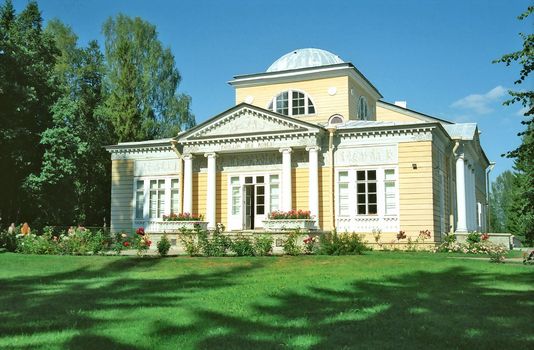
363 108
335 119
292 102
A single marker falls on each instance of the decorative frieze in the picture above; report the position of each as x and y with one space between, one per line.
155 167
369 155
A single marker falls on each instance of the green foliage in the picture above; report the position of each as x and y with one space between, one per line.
263 245
291 246
121 241
503 204
242 246
524 154
332 243
27 90
142 81
190 242
214 244
473 237
8 240
164 245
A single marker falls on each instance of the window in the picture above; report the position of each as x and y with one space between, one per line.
174 196
343 180
274 193
157 198
366 190
260 199
139 198
236 195
335 119
363 108
390 192
292 102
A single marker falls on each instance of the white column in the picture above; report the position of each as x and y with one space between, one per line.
461 224
313 185
188 183
286 179
211 190
474 211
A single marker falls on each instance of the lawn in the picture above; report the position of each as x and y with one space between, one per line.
378 301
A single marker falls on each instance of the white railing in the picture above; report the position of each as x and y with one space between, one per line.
367 224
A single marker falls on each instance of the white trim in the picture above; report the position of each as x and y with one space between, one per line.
307 96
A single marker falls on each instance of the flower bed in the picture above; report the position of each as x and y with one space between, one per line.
292 214
183 217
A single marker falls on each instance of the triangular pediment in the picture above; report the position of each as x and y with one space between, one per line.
247 120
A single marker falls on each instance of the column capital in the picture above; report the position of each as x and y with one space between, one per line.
188 156
210 155
285 150
313 148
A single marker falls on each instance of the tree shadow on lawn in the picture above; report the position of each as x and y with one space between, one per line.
456 308
38 305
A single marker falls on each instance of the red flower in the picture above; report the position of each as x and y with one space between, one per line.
126 244
140 231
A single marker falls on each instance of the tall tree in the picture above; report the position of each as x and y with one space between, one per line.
524 154
74 173
142 82
503 195
27 90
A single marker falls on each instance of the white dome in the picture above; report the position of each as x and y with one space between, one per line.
303 58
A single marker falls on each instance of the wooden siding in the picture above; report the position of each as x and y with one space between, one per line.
199 193
325 205
325 104
299 188
386 115
122 195
416 188
222 199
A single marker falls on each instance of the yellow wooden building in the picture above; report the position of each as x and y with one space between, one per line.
310 133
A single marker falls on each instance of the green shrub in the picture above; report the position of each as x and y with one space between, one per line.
263 245
8 241
290 245
216 245
332 243
121 241
473 237
164 245
189 240
242 246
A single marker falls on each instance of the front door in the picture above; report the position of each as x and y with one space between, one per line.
249 206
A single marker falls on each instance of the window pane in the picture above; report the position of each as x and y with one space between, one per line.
153 209
139 199
153 184
343 199
235 200
274 195
371 187
311 107
161 202
260 200
174 196
371 175
360 175
391 204
361 188
390 174
234 180
274 178
372 198
343 176
361 209
260 210
260 190
248 179
361 199
259 179
372 209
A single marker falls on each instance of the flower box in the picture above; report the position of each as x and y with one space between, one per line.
158 226
289 224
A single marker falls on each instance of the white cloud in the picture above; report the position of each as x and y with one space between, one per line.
481 103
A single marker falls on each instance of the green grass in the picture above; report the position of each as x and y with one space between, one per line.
377 301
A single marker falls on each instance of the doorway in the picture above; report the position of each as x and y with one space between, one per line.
249 206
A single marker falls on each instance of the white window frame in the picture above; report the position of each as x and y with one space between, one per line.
307 98
381 191
146 204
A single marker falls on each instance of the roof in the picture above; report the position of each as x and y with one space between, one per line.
304 58
410 112
462 131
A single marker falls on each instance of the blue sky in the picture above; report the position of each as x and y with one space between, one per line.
434 54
